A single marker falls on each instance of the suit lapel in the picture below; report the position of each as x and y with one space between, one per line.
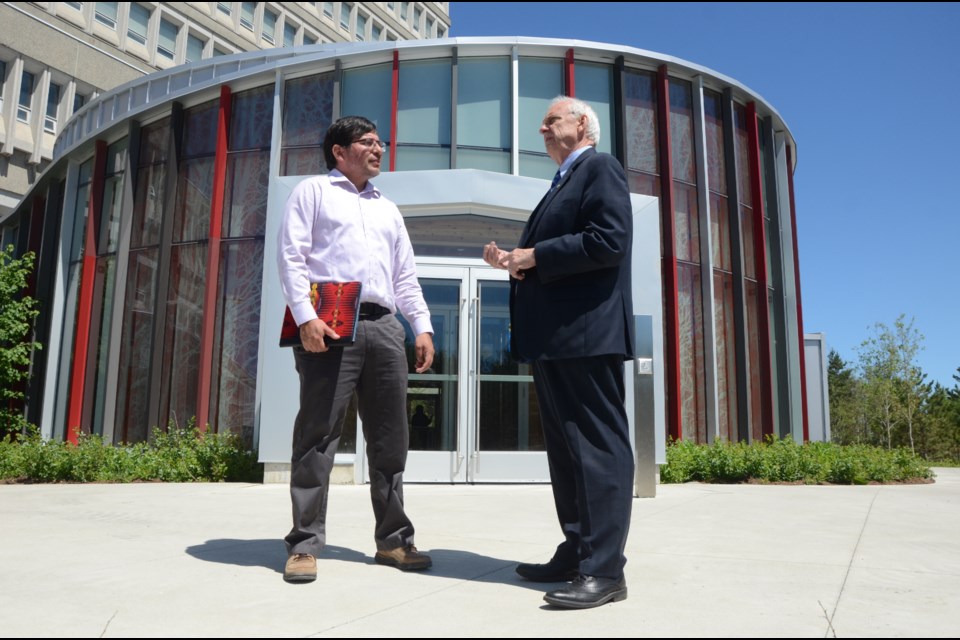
548 197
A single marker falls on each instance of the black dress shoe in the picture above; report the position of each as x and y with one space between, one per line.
550 572
587 591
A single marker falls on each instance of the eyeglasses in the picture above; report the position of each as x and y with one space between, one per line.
370 142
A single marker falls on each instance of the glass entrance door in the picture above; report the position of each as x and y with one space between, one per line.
473 416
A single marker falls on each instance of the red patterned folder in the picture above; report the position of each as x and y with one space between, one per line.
337 304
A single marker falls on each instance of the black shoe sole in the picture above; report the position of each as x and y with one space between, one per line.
616 596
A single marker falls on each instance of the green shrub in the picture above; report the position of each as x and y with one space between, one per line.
786 461
177 455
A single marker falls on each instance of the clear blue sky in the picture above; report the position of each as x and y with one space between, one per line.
871 93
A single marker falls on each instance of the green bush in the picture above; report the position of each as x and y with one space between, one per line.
786 461
177 455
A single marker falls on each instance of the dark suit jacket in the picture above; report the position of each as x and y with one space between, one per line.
577 301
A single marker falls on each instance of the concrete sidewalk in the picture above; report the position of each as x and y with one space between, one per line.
206 560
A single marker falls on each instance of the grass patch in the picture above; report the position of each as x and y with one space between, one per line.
785 461
177 455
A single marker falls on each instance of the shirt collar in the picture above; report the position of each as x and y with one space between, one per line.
576 153
338 178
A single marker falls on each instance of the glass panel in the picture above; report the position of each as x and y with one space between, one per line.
307 114
200 130
693 416
80 222
26 89
686 223
167 44
191 218
776 343
483 103
509 415
133 387
148 206
432 396
420 158
367 92
457 236
485 159
644 183
726 355
110 214
423 106
746 241
53 100
251 119
306 161
154 143
246 14
594 83
537 165
716 159
289 34
106 277
682 153
720 229
234 374
744 182
181 344
754 365
540 82
641 123
245 200
269 25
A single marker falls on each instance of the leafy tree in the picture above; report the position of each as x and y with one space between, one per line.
843 387
17 312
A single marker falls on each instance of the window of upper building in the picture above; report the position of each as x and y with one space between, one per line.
404 10
430 23
78 101
345 15
289 34
417 15
26 95
3 79
194 48
138 23
376 32
361 26
106 14
75 5
53 103
167 41
328 9
226 8
247 10
269 30
441 32
309 39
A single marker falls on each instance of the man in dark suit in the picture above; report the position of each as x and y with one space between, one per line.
572 317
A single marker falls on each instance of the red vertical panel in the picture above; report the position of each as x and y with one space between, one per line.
213 261
760 254
796 275
88 267
671 302
569 75
394 100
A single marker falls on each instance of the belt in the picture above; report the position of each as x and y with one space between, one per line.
372 311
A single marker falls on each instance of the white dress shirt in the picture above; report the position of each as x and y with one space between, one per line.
332 232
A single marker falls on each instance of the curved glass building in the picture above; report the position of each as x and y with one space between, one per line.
155 226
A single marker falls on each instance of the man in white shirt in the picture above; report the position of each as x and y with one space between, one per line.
339 227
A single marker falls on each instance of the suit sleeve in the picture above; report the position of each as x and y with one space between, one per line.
601 237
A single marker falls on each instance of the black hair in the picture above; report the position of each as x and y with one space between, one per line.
344 132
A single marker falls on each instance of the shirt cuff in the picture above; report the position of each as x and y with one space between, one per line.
422 325
303 312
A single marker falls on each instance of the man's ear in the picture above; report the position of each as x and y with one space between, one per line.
338 152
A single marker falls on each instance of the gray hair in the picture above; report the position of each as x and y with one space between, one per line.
580 108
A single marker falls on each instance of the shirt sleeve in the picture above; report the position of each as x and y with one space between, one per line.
294 243
406 287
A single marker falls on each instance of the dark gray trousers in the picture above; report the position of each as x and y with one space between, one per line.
375 367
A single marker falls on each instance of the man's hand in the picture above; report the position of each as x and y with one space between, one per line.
518 261
492 255
424 350
312 335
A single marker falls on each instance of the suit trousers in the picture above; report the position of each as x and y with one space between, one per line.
591 462
375 368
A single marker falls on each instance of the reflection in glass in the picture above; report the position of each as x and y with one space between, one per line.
509 416
594 83
432 396
456 235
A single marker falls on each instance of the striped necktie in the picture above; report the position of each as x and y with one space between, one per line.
556 179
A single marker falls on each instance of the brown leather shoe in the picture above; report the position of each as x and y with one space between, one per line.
404 558
301 567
